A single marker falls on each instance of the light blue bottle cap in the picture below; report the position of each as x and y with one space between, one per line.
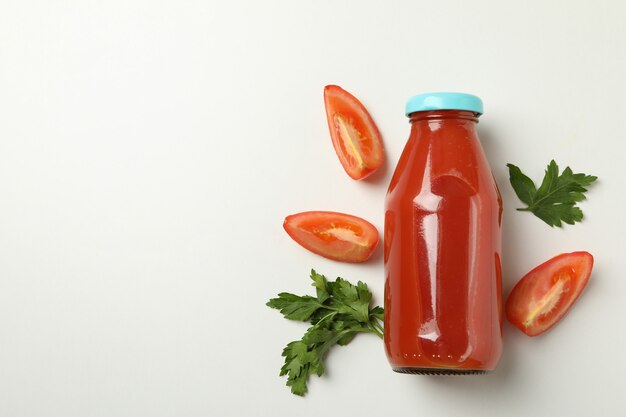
444 101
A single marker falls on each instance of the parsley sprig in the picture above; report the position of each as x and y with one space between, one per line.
338 312
555 200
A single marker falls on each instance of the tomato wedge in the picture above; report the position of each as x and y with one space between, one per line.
544 295
336 236
355 136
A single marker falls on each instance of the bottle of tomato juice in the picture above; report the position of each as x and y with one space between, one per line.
443 216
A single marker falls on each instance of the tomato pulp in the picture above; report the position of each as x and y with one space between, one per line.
443 305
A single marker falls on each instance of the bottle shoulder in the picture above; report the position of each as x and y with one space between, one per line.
428 188
441 164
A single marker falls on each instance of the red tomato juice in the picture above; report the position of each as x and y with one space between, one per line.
443 305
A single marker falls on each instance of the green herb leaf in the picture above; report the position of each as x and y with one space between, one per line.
319 281
294 307
555 200
338 313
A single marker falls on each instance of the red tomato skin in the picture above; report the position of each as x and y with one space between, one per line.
339 101
520 299
337 249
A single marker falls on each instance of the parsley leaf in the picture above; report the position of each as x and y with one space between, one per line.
555 200
338 313
295 307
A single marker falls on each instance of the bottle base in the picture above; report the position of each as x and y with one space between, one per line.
435 371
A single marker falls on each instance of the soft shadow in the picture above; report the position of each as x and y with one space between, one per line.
511 231
492 145
377 256
379 177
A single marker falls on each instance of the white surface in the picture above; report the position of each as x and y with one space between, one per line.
149 151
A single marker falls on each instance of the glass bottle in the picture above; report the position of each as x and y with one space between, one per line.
443 217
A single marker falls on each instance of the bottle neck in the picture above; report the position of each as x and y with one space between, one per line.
444 115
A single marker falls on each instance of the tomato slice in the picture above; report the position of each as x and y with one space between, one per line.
544 295
336 236
355 136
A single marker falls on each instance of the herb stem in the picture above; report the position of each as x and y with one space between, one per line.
376 330
331 314
380 327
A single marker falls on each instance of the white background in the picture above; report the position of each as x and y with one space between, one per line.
149 151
